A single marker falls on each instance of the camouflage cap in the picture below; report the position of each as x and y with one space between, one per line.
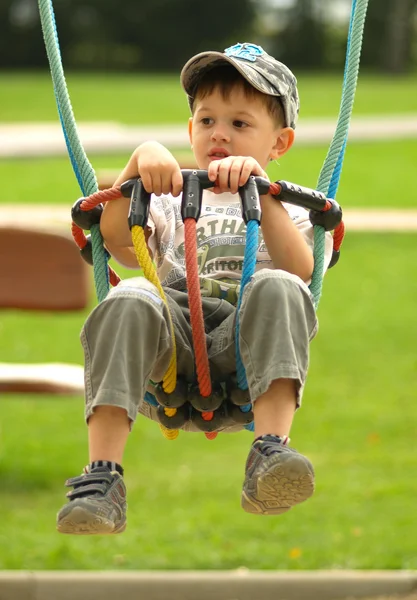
263 71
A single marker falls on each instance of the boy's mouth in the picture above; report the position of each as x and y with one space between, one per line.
218 153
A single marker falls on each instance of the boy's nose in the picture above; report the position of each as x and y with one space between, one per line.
220 134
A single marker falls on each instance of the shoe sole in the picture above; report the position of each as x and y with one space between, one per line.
281 486
80 521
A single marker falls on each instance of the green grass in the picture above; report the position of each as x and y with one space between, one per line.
358 420
373 176
358 425
160 99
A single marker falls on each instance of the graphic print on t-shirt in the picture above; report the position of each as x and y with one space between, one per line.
221 238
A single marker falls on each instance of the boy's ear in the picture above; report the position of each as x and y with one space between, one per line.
284 141
190 130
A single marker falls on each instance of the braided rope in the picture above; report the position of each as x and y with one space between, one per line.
169 434
83 170
196 309
331 170
249 263
143 258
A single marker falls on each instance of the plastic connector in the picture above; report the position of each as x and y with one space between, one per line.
175 421
85 219
206 403
174 400
329 219
334 259
218 420
139 205
87 251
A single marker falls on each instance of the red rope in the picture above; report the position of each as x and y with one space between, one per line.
99 197
196 309
113 277
338 236
79 236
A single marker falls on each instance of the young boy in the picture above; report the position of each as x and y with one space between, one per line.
244 107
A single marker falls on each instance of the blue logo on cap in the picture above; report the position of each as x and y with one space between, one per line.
245 51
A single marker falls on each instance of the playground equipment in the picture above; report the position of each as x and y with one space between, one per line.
208 406
41 271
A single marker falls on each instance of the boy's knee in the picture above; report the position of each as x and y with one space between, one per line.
139 288
268 288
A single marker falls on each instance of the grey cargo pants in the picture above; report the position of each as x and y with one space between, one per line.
126 339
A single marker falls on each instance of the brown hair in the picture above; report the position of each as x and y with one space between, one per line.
225 78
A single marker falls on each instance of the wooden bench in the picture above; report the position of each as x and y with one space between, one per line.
40 270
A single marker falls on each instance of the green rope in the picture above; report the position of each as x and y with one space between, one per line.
340 136
82 165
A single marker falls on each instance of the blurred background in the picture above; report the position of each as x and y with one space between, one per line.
358 422
99 35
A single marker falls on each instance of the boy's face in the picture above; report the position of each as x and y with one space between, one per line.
236 126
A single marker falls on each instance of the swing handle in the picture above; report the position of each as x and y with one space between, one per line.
195 181
323 211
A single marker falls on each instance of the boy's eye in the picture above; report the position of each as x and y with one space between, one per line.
207 121
239 124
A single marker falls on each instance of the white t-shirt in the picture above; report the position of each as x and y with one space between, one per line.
220 242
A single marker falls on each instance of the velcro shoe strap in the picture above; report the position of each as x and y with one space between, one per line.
93 488
89 478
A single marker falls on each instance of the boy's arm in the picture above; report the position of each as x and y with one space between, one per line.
160 173
286 245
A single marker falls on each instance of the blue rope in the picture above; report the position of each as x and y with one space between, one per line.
61 118
70 152
334 182
249 263
150 399
82 168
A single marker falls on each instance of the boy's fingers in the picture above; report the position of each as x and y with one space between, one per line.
166 182
235 176
246 172
147 182
223 175
177 183
157 184
212 170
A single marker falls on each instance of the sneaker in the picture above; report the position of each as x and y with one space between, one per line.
97 504
276 477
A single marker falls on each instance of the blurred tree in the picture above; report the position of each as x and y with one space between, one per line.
294 31
102 34
302 42
390 28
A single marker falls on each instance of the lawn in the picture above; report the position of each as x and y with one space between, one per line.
160 99
372 176
358 425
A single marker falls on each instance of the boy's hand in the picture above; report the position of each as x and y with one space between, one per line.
158 169
232 172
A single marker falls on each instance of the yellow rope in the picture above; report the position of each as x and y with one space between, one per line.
169 434
139 243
